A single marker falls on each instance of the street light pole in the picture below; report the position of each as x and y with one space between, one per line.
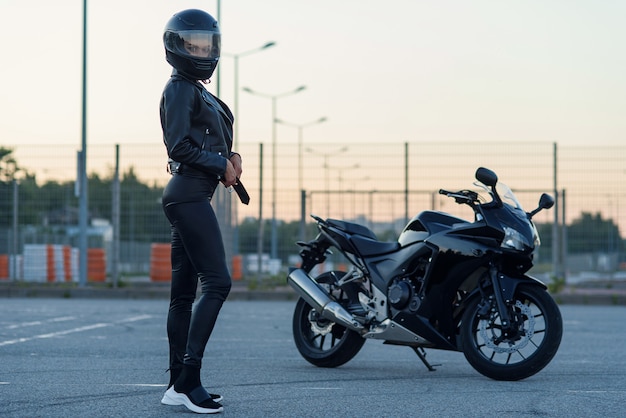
340 171
83 212
274 98
300 129
325 156
356 182
230 210
218 77
236 82
300 176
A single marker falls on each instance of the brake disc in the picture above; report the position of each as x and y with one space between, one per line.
319 325
489 337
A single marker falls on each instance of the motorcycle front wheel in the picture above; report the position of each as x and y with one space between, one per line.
517 354
321 342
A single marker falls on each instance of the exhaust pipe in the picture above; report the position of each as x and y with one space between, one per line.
320 300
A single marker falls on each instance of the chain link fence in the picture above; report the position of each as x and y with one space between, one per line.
380 185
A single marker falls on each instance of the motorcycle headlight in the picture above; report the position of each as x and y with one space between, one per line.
536 239
513 239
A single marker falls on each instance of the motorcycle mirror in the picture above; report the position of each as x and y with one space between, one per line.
546 201
486 176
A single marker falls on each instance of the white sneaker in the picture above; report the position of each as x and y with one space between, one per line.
199 400
167 400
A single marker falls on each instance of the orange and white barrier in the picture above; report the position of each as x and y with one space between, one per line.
4 266
96 265
160 262
36 263
237 268
45 263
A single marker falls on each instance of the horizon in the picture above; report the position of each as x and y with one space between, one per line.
592 176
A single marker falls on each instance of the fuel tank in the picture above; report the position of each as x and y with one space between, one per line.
427 223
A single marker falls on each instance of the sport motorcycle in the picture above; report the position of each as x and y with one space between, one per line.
446 283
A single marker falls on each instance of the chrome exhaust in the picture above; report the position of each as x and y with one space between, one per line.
320 300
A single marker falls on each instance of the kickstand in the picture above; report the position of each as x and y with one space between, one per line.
422 355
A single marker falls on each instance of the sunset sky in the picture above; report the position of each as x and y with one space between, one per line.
401 70
415 71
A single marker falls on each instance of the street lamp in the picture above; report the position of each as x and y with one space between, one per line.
81 178
229 211
325 156
274 98
355 182
300 186
236 96
340 171
300 128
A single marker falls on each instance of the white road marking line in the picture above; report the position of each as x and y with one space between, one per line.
25 324
595 391
320 388
63 318
74 330
34 323
133 319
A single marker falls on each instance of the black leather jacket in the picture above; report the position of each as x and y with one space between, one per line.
197 126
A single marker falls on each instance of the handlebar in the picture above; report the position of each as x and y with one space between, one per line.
462 196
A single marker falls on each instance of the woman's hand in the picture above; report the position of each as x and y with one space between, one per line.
236 161
230 175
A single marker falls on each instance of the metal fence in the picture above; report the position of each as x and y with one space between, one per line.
379 185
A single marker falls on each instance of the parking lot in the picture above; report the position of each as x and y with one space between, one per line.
102 357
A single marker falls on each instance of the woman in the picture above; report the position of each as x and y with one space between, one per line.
197 132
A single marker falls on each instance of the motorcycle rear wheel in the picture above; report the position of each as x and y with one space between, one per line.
539 326
321 342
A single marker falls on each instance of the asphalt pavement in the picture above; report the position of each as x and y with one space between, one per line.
593 292
107 357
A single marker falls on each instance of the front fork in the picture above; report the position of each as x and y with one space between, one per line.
503 291
503 294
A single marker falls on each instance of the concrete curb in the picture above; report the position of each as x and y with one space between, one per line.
591 296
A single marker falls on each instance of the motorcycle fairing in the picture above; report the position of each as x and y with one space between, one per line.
387 267
510 282
427 223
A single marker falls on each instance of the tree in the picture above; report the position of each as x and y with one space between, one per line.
53 205
142 218
248 236
142 214
8 165
592 233
8 168
288 235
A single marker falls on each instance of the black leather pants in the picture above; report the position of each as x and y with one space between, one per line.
197 254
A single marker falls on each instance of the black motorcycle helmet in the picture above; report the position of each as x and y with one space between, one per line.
192 43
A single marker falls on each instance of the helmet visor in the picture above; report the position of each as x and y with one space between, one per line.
194 44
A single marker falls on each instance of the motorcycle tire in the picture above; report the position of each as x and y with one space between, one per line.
321 342
514 357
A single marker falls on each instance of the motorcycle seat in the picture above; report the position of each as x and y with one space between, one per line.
364 239
369 247
352 228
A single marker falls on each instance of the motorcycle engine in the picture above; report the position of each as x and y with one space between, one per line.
404 291
402 294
